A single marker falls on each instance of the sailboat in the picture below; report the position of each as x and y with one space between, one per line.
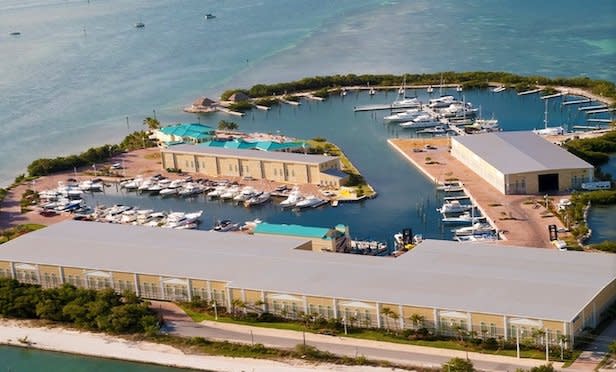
405 103
548 131
371 91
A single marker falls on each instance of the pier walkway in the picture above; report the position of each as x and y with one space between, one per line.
521 223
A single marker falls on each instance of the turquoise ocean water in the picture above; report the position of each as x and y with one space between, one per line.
80 68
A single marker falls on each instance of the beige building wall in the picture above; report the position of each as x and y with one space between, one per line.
297 173
185 162
478 165
251 168
229 167
274 171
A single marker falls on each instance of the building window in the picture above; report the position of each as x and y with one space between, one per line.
230 167
192 164
275 172
492 330
186 161
293 172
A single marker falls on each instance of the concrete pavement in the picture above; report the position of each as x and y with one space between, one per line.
180 324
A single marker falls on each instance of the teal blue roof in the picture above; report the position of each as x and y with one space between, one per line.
193 130
276 146
292 230
261 145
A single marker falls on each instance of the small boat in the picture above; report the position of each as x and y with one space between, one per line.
430 89
230 193
441 102
454 206
476 228
139 25
250 225
226 225
464 218
15 33
293 198
476 238
169 191
436 130
404 116
190 189
372 91
406 103
422 121
257 199
209 16
246 193
310 201
218 190
450 188
343 92
459 88
498 89
334 203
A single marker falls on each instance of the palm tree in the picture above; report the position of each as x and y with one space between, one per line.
386 313
259 305
417 320
151 123
237 304
461 332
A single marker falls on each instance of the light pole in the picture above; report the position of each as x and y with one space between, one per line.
215 311
547 347
344 324
517 341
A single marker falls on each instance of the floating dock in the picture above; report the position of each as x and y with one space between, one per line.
230 112
263 108
293 103
533 91
373 107
559 94
576 102
600 111
314 98
589 108
600 120
586 127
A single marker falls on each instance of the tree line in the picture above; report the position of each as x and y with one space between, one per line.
471 79
103 310
594 150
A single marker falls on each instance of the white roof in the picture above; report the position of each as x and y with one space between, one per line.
520 282
520 152
249 153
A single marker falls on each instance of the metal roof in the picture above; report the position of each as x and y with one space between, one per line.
192 130
520 152
290 157
292 230
521 282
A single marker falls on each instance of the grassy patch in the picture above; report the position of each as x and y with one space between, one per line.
17 231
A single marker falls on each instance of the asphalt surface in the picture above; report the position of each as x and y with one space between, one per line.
178 323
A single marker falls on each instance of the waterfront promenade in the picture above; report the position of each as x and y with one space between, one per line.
520 222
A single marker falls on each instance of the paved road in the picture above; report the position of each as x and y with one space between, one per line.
178 323
596 351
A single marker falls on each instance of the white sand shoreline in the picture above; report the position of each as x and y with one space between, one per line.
110 347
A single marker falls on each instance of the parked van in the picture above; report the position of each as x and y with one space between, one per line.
599 185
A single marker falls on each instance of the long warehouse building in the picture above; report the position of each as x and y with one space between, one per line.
280 166
491 290
521 162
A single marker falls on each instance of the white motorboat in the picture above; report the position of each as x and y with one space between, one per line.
436 130
133 184
476 238
129 216
230 193
454 206
209 16
226 225
90 185
310 201
145 185
190 189
476 228
408 103
464 218
218 190
440 102
250 225
422 121
450 188
499 89
169 191
177 219
403 116
430 89
245 194
294 197
258 199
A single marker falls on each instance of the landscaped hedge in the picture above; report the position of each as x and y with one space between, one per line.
45 166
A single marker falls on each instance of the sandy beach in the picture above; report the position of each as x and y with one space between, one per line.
105 346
